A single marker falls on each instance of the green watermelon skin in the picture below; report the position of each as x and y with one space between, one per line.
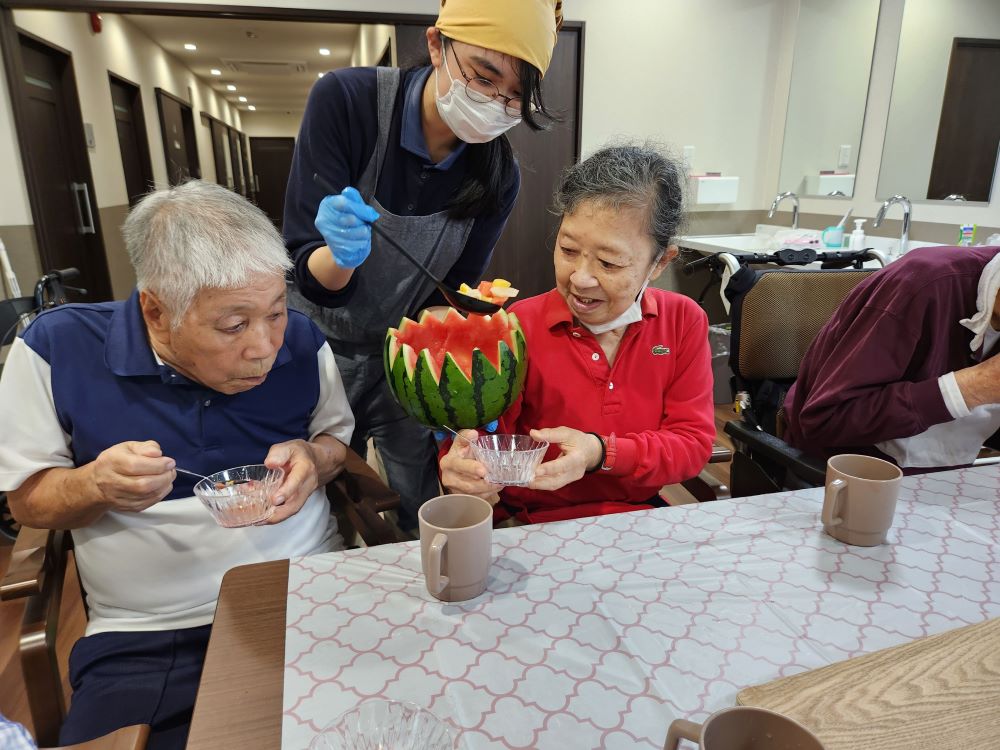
454 401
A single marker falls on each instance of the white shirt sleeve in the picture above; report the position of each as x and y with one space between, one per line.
332 414
31 438
953 397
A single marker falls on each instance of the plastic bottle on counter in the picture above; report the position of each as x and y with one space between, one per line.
858 236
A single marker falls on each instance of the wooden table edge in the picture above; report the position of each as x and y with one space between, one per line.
239 702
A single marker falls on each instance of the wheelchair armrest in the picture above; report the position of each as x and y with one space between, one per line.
809 469
720 454
30 562
360 492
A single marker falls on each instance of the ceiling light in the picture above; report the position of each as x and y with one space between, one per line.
324 51
215 72
320 75
230 87
190 46
252 108
242 98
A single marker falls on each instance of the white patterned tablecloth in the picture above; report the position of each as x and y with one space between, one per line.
597 633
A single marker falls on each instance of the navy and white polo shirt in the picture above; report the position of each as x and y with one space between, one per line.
84 377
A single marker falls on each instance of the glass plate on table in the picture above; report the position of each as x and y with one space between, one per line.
386 725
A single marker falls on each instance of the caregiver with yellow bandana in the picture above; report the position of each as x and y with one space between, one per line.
423 152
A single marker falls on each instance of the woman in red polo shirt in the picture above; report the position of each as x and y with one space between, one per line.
619 376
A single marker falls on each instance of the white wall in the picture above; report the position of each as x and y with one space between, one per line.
14 207
922 71
123 49
271 124
714 74
834 42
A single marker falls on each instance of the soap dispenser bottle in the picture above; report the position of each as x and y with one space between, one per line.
857 236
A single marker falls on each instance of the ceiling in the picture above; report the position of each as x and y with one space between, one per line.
272 63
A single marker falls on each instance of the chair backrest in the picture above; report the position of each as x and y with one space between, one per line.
11 311
776 315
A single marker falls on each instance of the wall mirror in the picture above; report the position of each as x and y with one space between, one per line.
944 116
834 43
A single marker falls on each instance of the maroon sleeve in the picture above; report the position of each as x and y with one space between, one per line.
858 387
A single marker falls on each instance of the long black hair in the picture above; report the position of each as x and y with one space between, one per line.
491 167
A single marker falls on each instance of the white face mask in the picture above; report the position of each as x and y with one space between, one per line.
472 122
632 313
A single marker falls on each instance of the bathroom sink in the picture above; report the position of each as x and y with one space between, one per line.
764 241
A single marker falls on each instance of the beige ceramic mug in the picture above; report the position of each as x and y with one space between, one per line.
860 499
743 727
456 546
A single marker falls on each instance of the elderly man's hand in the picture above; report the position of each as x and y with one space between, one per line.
980 384
133 476
299 460
462 473
579 451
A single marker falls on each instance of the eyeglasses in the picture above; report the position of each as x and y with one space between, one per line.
483 90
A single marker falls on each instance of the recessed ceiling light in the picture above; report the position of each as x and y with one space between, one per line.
230 87
190 46
215 72
320 75
242 98
252 108
324 51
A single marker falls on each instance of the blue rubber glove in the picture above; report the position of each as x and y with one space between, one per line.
441 435
345 222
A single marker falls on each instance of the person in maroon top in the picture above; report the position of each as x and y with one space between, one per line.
905 368
619 376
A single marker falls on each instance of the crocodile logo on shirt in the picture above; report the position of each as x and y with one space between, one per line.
660 349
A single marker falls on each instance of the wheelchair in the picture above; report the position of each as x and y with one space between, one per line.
16 313
777 307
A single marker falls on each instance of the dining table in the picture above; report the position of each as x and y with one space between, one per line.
595 632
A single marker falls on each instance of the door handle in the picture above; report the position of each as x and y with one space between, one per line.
256 183
84 213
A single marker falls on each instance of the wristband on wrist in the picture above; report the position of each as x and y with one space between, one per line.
610 453
600 464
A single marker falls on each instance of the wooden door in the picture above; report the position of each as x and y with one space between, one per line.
524 253
57 168
234 160
272 162
969 132
179 145
251 192
137 169
219 155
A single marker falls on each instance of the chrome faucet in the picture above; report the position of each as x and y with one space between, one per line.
904 240
795 207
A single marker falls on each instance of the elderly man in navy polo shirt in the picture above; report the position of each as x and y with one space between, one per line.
205 368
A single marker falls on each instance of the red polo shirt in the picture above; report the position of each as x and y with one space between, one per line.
656 398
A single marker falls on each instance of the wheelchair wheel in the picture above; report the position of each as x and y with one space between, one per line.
8 526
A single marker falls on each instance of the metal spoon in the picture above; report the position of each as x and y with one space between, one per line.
217 485
454 297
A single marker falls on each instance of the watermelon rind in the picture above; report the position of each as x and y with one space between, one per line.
453 399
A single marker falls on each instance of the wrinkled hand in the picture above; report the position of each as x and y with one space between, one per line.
579 451
133 476
462 473
980 383
296 457
345 222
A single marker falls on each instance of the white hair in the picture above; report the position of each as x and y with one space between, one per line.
196 236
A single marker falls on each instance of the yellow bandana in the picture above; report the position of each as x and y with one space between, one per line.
525 29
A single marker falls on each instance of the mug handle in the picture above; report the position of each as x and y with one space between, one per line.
831 502
681 729
436 582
